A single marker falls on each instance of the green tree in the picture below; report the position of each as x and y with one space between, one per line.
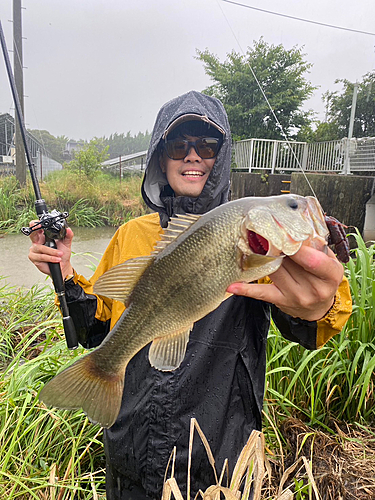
55 145
281 74
90 158
326 131
339 105
126 144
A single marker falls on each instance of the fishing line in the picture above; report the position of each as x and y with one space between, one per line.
269 105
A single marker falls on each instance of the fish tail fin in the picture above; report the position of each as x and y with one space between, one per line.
85 385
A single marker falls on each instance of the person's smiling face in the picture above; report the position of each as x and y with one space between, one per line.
188 176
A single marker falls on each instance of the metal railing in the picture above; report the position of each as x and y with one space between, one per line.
325 156
43 166
342 156
261 154
362 154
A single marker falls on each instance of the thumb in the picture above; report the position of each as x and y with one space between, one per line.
66 244
68 237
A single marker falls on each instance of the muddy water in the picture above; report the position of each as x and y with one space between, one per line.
88 247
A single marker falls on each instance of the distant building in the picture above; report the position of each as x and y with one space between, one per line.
71 147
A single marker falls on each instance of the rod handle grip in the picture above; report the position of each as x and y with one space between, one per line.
58 283
70 333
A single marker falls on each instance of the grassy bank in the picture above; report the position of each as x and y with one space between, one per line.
102 200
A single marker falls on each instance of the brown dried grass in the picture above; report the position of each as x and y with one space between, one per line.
343 462
250 474
336 466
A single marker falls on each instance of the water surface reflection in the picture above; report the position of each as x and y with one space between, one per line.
19 271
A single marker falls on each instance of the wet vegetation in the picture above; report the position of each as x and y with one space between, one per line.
43 453
52 454
91 201
336 381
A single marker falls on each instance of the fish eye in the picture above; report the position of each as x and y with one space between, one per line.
293 204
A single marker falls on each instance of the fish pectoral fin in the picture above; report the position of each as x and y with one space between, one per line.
166 353
119 281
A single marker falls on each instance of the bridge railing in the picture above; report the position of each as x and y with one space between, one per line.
331 156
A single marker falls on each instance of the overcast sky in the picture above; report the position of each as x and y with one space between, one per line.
96 67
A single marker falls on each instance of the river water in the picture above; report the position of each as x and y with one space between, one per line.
88 247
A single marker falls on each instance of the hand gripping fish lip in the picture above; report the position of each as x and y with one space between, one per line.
278 233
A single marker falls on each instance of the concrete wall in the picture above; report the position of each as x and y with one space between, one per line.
249 184
343 196
369 229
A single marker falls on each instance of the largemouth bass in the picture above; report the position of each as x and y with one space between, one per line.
183 280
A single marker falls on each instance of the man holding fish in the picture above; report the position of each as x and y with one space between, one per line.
186 288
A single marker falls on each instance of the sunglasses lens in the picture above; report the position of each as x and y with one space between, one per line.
176 149
206 148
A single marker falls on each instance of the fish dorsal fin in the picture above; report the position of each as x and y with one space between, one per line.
166 353
119 281
177 226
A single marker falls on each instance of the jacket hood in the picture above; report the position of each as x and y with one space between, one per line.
216 189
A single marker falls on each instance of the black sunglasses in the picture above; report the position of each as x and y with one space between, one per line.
206 147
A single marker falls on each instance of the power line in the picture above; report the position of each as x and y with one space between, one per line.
299 18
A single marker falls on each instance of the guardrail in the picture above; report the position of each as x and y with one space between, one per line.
340 156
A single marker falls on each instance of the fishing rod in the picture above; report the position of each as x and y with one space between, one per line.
53 223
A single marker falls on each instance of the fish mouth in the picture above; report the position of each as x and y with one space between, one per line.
257 243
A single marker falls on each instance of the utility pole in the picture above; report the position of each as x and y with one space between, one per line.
18 77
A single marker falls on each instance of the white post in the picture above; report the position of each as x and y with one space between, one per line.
274 156
251 154
305 156
346 169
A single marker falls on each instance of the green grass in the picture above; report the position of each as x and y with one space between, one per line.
117 202
99 201
16 205
23 313
81 214
44 453
336 381
42 447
